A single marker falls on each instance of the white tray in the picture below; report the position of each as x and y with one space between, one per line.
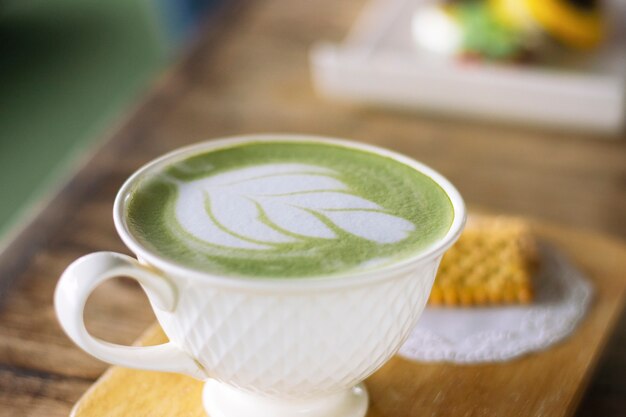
379 63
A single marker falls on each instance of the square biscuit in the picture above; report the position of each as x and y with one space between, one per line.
492 263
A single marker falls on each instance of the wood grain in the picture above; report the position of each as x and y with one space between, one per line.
548 383
247 73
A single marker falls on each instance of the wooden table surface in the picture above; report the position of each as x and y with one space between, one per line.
248 73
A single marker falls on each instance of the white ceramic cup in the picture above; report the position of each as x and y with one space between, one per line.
267 347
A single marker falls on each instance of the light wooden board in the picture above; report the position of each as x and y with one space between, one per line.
544 384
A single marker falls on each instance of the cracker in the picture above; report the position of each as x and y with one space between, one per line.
492 263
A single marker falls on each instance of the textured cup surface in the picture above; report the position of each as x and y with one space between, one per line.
302 343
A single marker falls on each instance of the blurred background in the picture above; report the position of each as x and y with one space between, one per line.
69 70
72 69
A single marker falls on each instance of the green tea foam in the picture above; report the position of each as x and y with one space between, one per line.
287 209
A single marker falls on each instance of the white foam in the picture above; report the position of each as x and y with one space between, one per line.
240 215
249 173
372 225
284 184
191 215
297 220
326 200
261 206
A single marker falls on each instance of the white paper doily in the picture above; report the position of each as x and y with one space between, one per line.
492 334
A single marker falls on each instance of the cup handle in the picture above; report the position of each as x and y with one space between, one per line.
83 276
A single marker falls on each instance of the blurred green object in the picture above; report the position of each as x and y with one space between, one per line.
484 35
68 69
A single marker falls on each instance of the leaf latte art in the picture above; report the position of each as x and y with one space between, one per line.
287 209
261 206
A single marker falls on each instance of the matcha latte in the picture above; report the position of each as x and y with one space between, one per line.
288 209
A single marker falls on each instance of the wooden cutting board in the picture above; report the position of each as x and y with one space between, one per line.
549 383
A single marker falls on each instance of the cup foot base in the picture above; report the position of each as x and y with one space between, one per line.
221 400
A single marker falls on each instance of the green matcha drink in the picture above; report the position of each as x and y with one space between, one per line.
290 209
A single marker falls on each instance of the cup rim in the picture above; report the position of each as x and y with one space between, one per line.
350 278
